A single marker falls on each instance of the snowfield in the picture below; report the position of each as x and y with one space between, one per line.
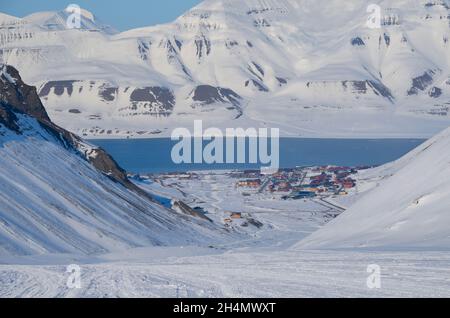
53 201
269 263
234 274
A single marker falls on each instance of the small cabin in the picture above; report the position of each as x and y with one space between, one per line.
251 183
236 215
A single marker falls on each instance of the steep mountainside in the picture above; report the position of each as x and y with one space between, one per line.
54 200
298 64
408 209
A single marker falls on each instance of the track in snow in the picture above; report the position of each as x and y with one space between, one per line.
273 274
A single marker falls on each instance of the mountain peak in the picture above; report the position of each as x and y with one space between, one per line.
21 97
73 8
6 18
58 20
300 56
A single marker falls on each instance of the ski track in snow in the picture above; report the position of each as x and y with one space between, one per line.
263 266
293 273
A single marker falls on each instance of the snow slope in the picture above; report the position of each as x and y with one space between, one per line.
408 209
53 200
300 65
238 275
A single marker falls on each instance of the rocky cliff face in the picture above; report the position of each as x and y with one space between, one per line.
21 97
59 194
16 96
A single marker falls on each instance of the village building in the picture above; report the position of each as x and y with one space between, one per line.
250 183
236 215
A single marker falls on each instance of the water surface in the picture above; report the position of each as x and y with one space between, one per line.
154 155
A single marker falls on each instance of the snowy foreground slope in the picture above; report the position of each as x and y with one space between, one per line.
408 209
53 199
300 65
246 274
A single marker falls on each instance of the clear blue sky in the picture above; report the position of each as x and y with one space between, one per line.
121 14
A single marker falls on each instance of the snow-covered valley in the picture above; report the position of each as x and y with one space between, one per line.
66 206
265 262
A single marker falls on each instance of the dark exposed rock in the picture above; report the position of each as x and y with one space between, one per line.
170 48
144 48
179 44
95 117
18 98
105 163
8 118
255 74
361 87
392 18
258 85
281 81
255 223
74 111
58 86
186 71
387 39
257 11
259 68
231 43
420 83
380 89
156 100
437 3
152 94
108 93
435 92
357 42
207 95
202 44
186 209
261 23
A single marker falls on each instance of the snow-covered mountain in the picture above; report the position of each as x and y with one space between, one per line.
58 194
312 68
409 207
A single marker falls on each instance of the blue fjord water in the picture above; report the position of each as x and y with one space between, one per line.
154 155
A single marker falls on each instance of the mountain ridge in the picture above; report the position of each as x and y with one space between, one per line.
288 61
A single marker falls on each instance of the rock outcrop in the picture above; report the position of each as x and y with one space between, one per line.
16 96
